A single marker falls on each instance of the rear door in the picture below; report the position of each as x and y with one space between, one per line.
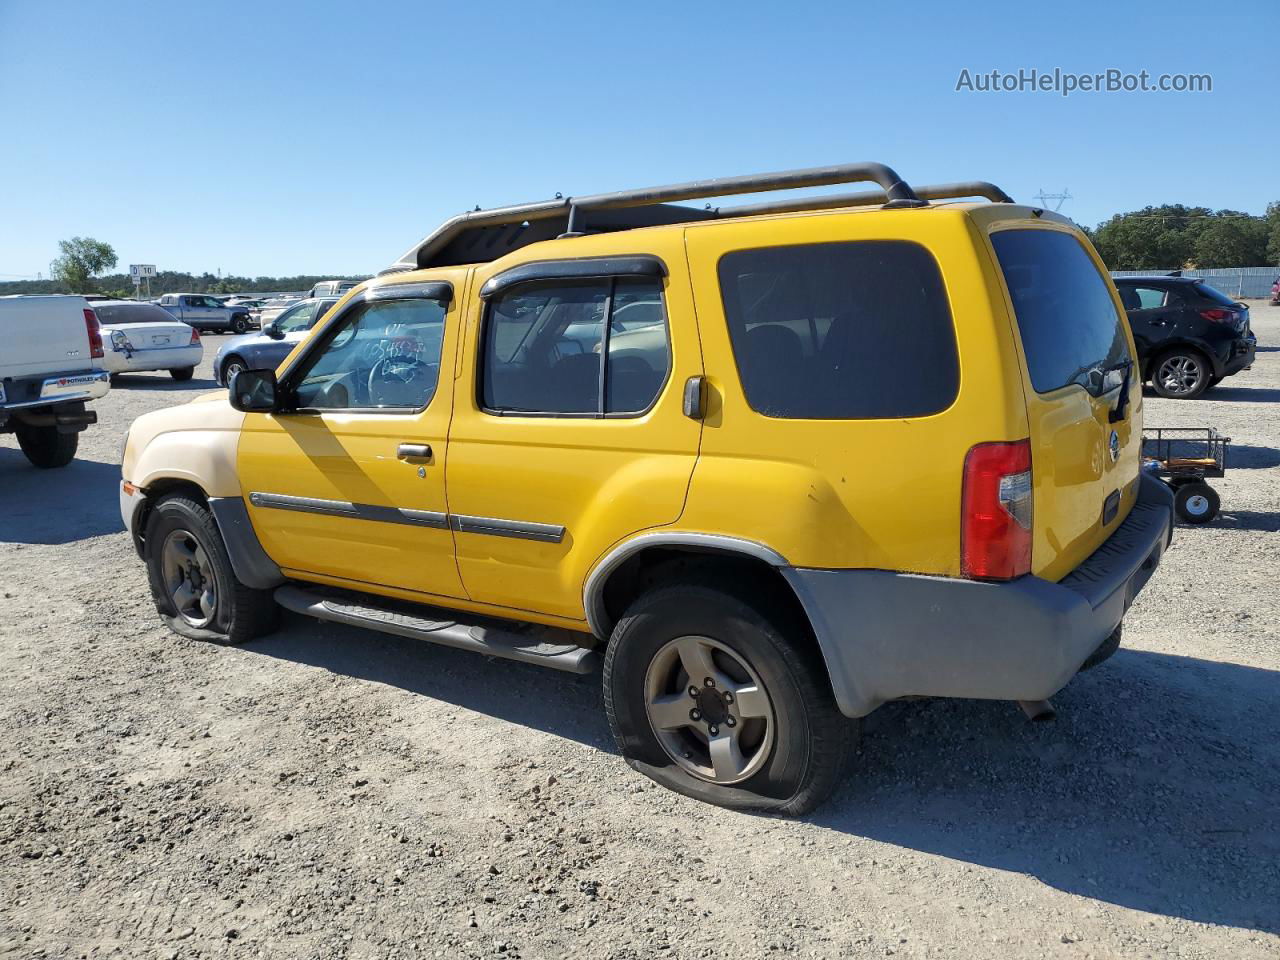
1075 347
1155 316
568 432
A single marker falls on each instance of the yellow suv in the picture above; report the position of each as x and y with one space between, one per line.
768 465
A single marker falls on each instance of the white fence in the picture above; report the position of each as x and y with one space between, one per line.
1233 281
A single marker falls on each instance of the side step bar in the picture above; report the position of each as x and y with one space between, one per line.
528 643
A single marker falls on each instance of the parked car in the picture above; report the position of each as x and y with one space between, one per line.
51 364
143 336
866 465
272 309
332 288
206 313
1189 335
265 350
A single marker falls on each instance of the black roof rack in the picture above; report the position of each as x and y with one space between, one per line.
479 235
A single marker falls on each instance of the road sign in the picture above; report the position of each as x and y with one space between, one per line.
140 270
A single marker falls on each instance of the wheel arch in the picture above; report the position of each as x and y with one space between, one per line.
615 579
1183 344
753 571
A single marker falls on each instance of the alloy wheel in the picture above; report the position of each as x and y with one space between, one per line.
709 710
1179 374
188 578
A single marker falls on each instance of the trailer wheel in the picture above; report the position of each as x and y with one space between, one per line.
1196 502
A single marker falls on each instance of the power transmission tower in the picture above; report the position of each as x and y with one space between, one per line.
1060 198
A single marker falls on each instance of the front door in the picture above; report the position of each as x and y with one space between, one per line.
568 433
348 487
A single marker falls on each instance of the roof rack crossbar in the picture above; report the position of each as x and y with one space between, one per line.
941 191
893 191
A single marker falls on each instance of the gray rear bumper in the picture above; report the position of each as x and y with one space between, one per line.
888 635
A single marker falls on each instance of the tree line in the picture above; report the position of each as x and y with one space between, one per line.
80 264
1168 237
1175 236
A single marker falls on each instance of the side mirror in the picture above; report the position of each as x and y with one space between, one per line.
272 330
254 391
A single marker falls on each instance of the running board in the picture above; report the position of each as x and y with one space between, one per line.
528 643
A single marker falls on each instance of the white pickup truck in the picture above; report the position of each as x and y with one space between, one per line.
206 313
51 357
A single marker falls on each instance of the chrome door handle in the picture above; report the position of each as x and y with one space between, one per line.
413 451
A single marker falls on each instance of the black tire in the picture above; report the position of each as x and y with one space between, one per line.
811 738
45 447
1187 387
182 373
240 324
1196 502
239 613
1214 381
1105 650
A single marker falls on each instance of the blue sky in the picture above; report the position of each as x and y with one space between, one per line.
321 137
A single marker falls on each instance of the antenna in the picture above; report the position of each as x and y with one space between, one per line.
1060 198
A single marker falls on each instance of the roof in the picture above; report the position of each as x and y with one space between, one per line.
479 236
1158 278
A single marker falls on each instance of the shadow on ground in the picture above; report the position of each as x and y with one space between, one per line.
160 381
84 492
1248 520
1154 789
564 704
1244 456
1243 394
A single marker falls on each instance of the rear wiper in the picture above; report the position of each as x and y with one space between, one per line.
1122 405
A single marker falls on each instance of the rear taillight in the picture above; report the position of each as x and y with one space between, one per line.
94 329
1219 316
195 337
995 519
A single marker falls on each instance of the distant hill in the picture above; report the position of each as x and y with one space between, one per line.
170 281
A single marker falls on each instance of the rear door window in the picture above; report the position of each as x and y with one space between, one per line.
841 331
549 346
1071 330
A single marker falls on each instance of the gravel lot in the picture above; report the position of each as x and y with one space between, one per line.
327 792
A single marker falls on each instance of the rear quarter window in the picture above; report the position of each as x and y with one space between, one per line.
1070 328
841 331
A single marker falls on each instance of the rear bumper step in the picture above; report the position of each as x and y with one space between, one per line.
544 646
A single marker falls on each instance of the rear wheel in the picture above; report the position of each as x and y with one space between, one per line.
239 324
45 447
196 591
1196 502
707 694
1181 374
182 373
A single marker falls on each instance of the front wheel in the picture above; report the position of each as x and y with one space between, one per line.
233 366
46 447
195 589
709 695
1196 502
1181 374
182 373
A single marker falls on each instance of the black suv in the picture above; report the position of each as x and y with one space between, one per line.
1189 335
